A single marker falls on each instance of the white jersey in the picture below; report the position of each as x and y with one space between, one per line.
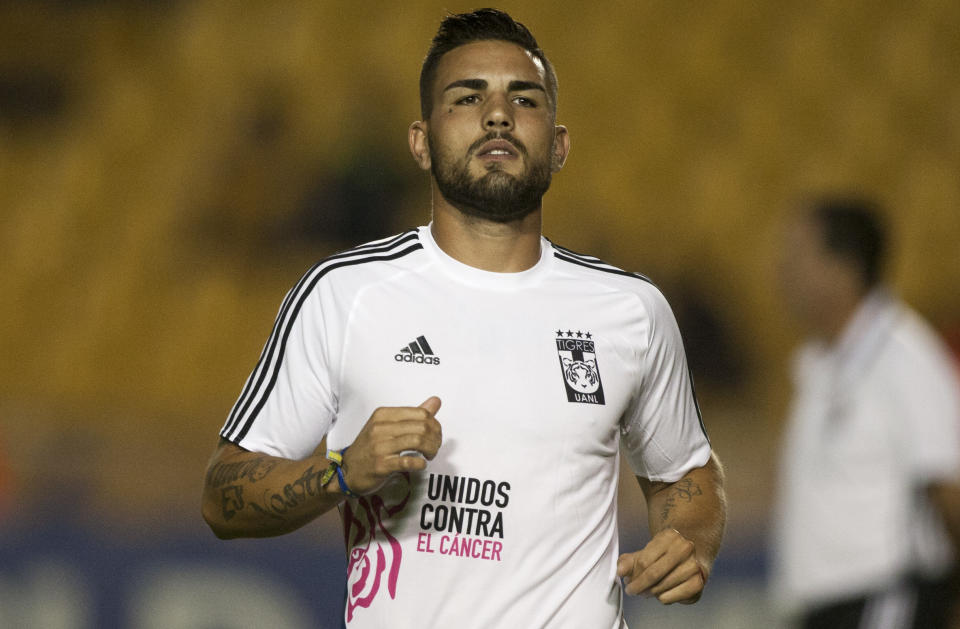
875 419
543 376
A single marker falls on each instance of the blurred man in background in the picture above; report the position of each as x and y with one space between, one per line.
546 362
868 512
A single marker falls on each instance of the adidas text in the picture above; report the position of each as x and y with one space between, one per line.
419 359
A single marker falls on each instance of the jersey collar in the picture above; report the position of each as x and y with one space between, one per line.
486 279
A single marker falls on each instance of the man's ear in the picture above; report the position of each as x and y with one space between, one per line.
561 148
419 146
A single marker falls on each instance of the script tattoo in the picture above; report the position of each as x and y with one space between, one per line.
232 501
294 494
266 513
225 473
684 490
275 504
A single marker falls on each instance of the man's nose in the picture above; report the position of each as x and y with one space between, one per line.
498 116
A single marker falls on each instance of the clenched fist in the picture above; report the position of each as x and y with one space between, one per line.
376 452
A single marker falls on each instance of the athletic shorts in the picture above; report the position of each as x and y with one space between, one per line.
920 603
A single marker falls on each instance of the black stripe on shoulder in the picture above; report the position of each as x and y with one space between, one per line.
258 386
594 263
376 246
579 256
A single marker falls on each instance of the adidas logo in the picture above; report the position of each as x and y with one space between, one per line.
419 352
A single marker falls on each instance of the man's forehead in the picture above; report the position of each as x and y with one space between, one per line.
487 58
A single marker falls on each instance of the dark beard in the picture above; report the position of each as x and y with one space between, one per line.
496 196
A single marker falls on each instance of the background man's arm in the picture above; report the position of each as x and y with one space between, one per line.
687 520
945 497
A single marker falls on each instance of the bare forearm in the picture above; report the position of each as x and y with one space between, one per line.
248 494
695 506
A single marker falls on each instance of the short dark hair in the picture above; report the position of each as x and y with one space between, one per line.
480 25
852 228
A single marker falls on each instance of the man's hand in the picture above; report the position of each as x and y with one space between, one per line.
375 453
667 568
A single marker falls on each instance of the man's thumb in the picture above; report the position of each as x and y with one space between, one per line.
432 404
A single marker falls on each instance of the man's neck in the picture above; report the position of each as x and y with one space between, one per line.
833 325
488 245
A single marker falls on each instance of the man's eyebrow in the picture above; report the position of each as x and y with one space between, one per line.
522 86
471 84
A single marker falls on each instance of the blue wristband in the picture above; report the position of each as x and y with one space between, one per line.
337 458
343 484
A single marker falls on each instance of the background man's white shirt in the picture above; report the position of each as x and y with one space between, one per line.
874 420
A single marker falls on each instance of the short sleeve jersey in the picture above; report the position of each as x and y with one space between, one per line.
545 376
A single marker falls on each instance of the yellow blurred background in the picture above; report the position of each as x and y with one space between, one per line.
168 170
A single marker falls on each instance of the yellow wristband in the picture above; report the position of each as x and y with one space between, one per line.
336 467
328 474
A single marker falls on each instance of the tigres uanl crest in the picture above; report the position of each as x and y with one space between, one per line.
578 364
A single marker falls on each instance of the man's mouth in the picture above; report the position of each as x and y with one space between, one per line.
497 149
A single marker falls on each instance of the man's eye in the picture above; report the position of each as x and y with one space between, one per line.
526 102
469 100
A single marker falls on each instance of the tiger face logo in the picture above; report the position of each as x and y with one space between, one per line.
581 374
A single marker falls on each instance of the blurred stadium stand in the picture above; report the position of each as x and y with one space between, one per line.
168 169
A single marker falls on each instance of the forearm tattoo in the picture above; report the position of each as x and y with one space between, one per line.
682 491
273 504
225 473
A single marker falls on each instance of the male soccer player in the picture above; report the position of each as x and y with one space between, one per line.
871 466
497 509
